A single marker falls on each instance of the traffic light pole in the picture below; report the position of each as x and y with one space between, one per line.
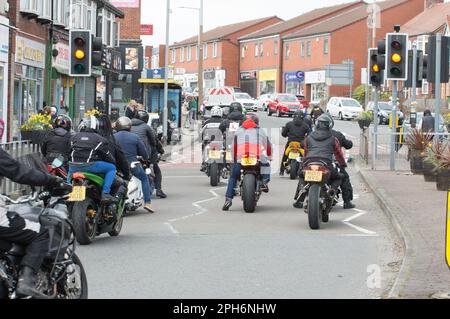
413 115
166 76
394 124
437 108
375 127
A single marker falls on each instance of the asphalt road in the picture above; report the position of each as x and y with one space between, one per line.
191 249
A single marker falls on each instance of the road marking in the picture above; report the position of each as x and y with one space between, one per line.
359 235
360 229
172 229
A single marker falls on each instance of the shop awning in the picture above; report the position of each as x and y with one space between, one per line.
156 81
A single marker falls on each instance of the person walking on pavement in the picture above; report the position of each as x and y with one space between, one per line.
133 148
428 122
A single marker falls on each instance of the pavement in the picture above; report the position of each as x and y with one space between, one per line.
418 213
191 249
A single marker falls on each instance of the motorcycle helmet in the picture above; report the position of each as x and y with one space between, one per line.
299 115
89 123
63 121
324 122
236 107
331 119
123 124
216 111
143 116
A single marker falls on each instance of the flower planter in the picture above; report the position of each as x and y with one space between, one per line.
443 180
429 172
416 162
364 124
36 137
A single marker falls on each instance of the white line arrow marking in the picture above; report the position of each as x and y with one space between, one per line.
360 229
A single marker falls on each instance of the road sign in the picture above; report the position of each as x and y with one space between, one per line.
447 241
146 29
339 74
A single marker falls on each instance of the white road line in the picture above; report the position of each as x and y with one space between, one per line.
171 228
358 235
360 229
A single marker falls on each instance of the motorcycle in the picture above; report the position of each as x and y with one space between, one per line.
214 154
250 182
320 199
135 196
294 152
90 216
62 275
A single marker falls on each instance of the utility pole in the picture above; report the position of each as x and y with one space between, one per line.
166 75
200 58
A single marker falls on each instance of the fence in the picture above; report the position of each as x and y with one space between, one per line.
380 150
17 150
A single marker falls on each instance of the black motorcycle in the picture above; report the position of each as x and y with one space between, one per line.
251 182
62 275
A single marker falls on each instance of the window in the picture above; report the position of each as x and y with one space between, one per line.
325 46
83 15
182 54
205 51
29 6
188 53
308 48
243 52
214 52
261 49
197 53
302 49
275 47
174 53
256 49
287 50
44 9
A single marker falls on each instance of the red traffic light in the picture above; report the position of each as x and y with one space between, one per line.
79 41
396 45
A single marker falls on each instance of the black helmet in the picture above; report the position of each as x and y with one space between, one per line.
123 124
236 107
89 123
299 115
324 122
143 116
64 122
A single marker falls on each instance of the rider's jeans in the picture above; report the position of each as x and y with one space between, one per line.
236 171
99 167
139 172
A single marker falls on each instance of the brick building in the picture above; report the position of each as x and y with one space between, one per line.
261 52
4 62
340 38
221 54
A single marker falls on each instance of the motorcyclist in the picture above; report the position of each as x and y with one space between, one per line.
294 131
57 142
316 112
155 149
134 147
210 131
236 116
249 137
15 229
322 145
92 153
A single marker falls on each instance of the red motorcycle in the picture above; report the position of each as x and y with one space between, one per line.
57 168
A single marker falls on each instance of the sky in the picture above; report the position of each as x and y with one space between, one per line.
184 23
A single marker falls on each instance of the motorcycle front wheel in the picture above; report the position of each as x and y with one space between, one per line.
249 193
85 226
314 213
83 294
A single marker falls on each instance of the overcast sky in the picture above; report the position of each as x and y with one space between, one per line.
184 22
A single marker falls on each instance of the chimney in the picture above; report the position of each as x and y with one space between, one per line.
430 3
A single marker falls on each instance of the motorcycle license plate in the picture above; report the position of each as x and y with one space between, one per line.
78 194
249 161
313 176
228 156
293 155
214 154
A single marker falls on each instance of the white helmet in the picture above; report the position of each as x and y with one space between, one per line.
216 111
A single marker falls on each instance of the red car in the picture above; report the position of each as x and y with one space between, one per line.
284 104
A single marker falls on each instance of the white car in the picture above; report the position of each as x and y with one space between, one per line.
263 101
344 108
248 103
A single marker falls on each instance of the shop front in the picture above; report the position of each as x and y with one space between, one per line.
267 81
4 49
28 81
316 88
62 83
249 83
293 82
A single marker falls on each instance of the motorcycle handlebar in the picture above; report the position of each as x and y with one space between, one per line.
21 200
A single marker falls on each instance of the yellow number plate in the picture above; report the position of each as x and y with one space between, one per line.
313 176
249 161
214 154
78 194
228 158
293 155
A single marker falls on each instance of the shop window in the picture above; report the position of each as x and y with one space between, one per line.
188 53
182 54
325 46
256 49
308 48
287 51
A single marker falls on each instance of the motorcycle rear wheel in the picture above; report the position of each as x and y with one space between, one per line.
294 169
85 227
117 227
249 193
314 213
214 174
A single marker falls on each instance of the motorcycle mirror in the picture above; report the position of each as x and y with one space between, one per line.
58 162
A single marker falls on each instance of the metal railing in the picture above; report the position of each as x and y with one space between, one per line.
16 150
380 150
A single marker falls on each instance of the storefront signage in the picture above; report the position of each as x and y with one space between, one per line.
160 73
268 75
248 75
62 62
146 29
295 76
30 52
315 77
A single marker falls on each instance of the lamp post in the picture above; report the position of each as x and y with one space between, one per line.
166 74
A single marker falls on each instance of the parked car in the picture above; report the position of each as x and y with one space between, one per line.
248 103
284 104
344 108
303 101
263 102
384 112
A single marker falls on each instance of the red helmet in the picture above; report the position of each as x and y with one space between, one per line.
64 122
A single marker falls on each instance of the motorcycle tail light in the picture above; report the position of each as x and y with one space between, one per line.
317 168
78 176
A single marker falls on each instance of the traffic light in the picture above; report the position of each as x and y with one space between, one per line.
444 65
419 68
397 56
80 53
97 51
376 74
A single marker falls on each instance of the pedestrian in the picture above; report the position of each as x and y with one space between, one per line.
130 109
100 105
428 121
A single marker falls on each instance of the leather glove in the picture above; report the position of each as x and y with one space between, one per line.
56 180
